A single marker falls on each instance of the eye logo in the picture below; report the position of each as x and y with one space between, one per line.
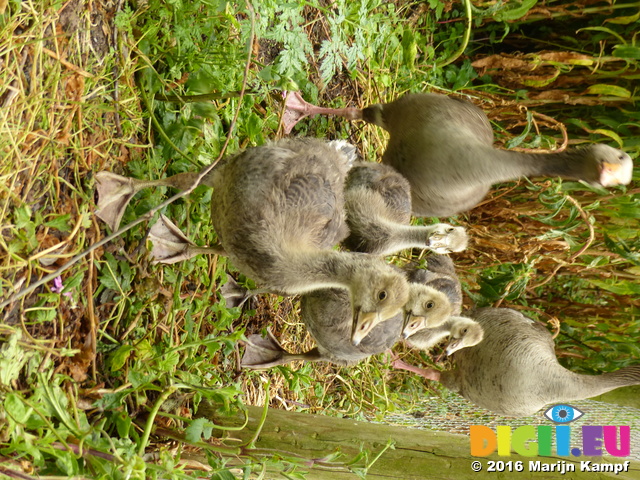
563 413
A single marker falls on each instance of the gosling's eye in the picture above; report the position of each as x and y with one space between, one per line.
382 295
464 331
430 304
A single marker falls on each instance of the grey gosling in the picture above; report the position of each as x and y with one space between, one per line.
514 370
462 332
378 204
278 210
444 147
440 274
327 316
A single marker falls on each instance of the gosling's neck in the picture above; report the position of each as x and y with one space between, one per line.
402 237
305 271
509 165
428 337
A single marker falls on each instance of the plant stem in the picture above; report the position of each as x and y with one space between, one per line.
204 97
263 419
152 416
465 37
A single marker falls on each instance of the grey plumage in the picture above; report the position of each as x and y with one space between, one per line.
444 147
440 274
378 205
463 333
326 314
278 211
514 370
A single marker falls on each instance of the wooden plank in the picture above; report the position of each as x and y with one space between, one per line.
416 455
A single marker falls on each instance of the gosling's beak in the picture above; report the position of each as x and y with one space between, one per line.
616 174
453 345
405 324
363 323
412 324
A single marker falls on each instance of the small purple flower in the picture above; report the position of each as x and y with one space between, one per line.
58 287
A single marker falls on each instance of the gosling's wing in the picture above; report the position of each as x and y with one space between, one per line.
385 181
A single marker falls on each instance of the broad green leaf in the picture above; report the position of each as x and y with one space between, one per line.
515 9
409 49
60 222
12 358
206 110
15 408
605 89
634 271
626 51
120 357
23 216
123 423
625 20
168 362
620 287
193 433
137 378
226 475
611 134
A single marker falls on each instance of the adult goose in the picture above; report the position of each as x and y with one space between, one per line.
514 370
278 210
378 204
444 147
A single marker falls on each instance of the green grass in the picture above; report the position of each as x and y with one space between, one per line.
84 371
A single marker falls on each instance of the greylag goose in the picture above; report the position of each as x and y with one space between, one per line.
327 316
444 147
463 333
514 370
378 204
439 274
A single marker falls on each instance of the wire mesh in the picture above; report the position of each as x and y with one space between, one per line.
452 413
